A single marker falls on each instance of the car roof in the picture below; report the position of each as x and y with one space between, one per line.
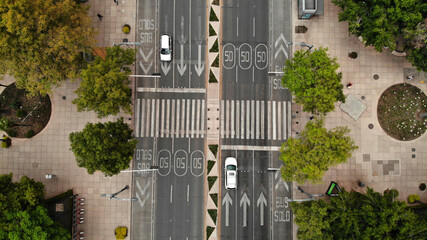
230 161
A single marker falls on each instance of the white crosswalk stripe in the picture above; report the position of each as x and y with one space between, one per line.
170 118
250 119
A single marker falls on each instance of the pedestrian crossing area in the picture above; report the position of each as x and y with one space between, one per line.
170 118
251 119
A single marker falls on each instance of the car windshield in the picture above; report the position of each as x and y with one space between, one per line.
231 167
165 51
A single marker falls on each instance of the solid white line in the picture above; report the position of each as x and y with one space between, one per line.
197 118
172 132
162 124
147 124
227 118
242 120
262 120
248 118
183 118
279 121
188 119
237 31
202 119
247 147
253 23
257 120
143 117
232 119
137 121
157 116
178 122
193 106
167 129
237 119
170 199
153 115
289 119
139 200
173 65
188 193
222 118
285 120
189 49
172 90
252 119
274 120
269 120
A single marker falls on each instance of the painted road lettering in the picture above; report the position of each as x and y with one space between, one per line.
164 162
180 163
197 163
144 158
282 214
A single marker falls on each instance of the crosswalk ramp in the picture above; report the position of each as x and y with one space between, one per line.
252 119
170 118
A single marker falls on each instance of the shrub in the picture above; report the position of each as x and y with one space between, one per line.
214 149
212 78
29 134
211 181
214 197
209 231
5 124
213 213
214 47
121 232
6 142
211 31
212 16
126 29
412 198
11 132
210 165
21 113
15 104
216 62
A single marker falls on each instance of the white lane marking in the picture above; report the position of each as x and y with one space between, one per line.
167 117
157 117
193 111
248 147
172 90
162 119
245 202
183 118
173 118
263 202
227 118
197 118
178 122
253 30
262 120
188 193
147 126
170 199
145 57
227 201
202 119
143 117
181 66
153 115
232 119
189 49
257 119
279 120
237 31
188 119
145 69
165 68
269 120
199 67
252 119
289 119
237 119
222 119
138 103
284 119
248 118
274 120
242 120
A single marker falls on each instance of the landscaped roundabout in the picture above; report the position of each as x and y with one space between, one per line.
21 115
400 110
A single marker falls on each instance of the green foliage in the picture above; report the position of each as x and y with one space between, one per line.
126 29
310 156
213 213
105 84
41 41
210 165
107 147
209 231
215 63
211 181
214 149
214 47
358 216
418 57
212 78
312 79
214 197
6 142
212 16
121 232
413 197
385 23
21 113
29 134
16 104
32 224
11 132
5 124
211 31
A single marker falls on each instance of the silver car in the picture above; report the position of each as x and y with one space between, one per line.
230 173
165 48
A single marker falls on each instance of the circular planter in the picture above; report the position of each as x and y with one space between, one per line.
422 187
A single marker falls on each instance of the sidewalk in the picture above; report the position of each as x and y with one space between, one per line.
48 152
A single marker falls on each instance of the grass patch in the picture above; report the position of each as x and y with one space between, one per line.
209 231
213 213
215 2
214 149
211 181
212 16
212 78
210 165
214 197
214 47
216 62
211 31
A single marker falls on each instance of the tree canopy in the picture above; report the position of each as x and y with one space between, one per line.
41 41
353 215
309 156
107 147
104 87
312 79
389 23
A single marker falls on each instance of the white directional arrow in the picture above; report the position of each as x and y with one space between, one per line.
280 182
145 57
199 67
280 39
181 66
145 69
263 202
227 201
165 68
182 30
245 202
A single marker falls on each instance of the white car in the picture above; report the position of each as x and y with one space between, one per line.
230 173
165 48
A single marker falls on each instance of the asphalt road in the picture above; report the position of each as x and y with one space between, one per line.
170 122
255 118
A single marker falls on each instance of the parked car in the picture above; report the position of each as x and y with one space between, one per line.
230 173
166 48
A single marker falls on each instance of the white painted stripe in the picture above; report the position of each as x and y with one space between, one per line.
248 109
170 199
222 118
157 117
257 120
274 120
202 119
173 118
167 128
279 120
197 118
232 119
139 200
284 119
246 147
143 117
172 90
188 193
262 120
289 119
227 118
162 122
178 122
193 116
237 119
252 119
145 200
183 118
269 120
242 120
188 119
153 115
137 122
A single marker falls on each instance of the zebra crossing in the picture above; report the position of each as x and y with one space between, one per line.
251 119
170 118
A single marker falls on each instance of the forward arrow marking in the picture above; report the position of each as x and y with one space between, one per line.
144 68
144 56
281 37
199 68
263 201
165 68
227 201
181 66
281 48
245 202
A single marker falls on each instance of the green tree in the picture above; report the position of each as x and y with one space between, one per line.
41 41
34 225
388 23
105 84
310 156
312 79
107 147
354 215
